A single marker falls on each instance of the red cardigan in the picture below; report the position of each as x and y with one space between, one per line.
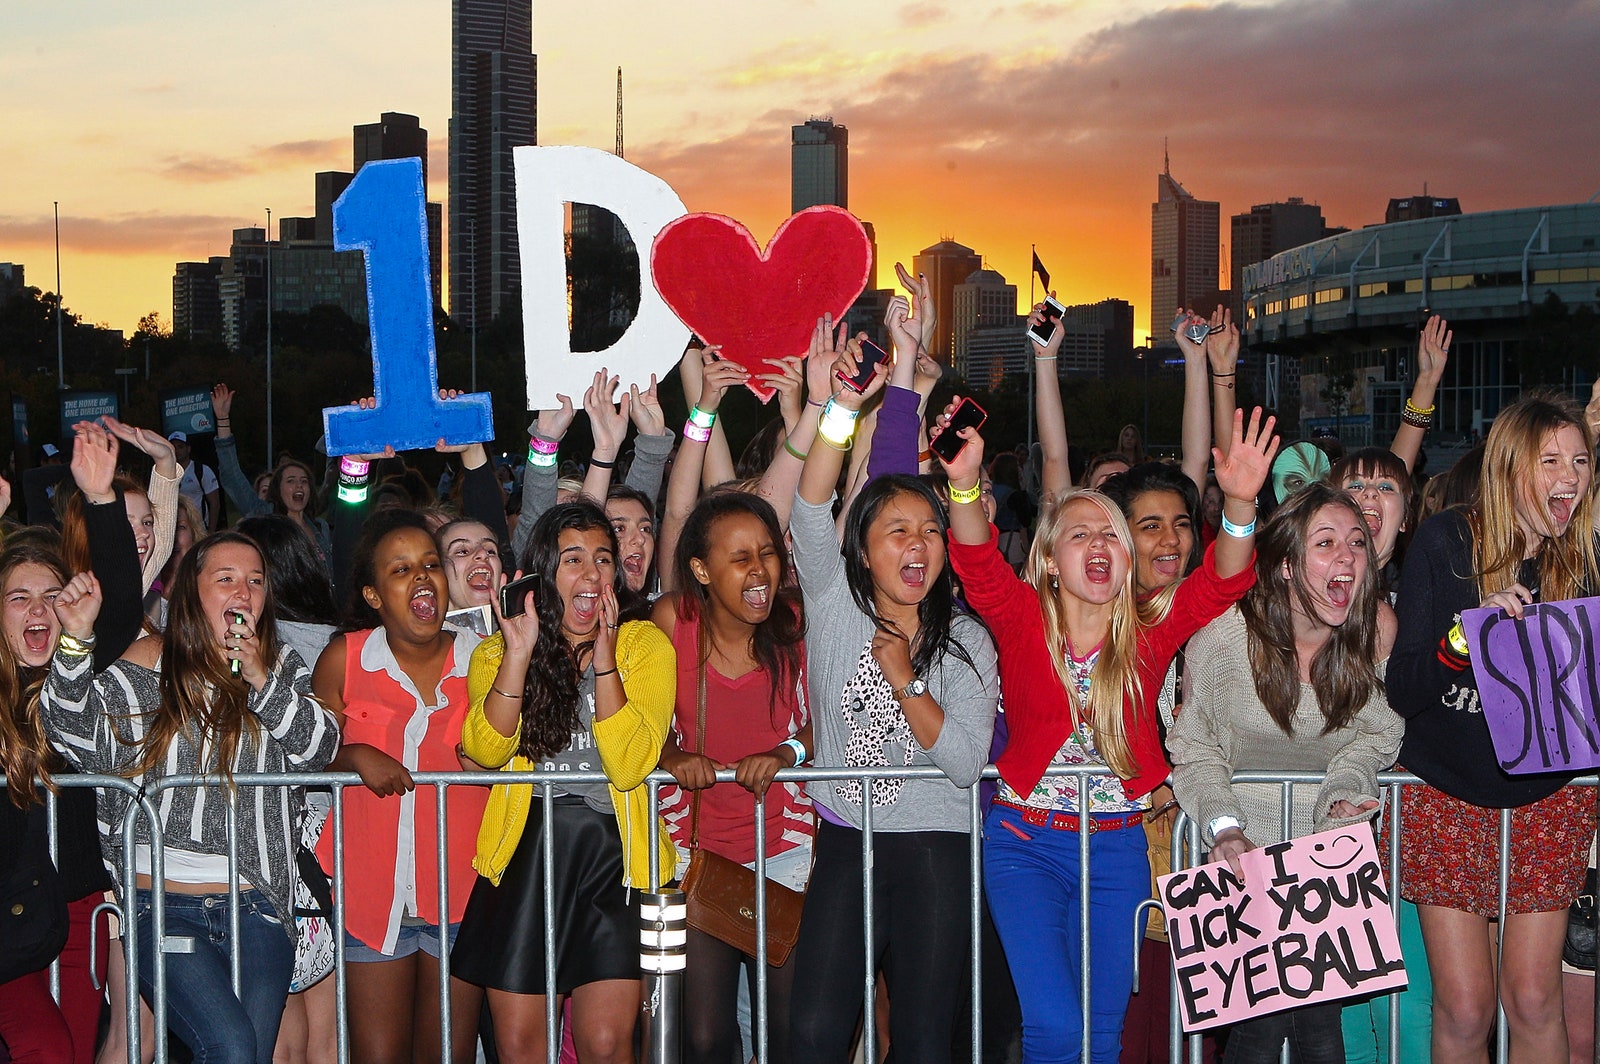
1037 712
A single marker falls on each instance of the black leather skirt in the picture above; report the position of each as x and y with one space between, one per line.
501 944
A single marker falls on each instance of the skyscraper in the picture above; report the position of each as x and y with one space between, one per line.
1267 229
401 136
196 300
1184 241
946 265
493 96
982 300
819 165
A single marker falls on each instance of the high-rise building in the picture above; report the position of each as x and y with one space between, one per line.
1265 230
196 300
1184 244
1099 340
819 165
242 286
997 351
984 299
10 279
946 264
493 109
401 136
1412 208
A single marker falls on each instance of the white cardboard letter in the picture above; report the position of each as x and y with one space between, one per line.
547 179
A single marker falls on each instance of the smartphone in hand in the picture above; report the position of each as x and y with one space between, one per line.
513 596
948 444
1042 333
871 355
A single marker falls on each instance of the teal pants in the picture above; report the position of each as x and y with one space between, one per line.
1366 1024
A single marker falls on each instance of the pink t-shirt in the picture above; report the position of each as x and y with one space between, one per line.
741 719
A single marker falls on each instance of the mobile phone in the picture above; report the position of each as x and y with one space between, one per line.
1042 333
1196 332
514 595
871 355
233 665
968 415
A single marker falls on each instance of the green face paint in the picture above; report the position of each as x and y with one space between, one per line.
1298 465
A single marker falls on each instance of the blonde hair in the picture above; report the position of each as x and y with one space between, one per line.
1115 677
1567 565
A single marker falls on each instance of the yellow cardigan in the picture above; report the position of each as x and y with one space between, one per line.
629 742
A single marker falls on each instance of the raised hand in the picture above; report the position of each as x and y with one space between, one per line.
966 469
94 461
520 632
158 447
608 423
1433 349
1222 346
369 403
1190 349
648 417
820 382
904 333
553 424
789 381
1051 347
922 310
1241 472
78 606
222 401
847 363
717 375
929 373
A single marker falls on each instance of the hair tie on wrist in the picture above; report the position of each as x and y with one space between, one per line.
601 463
607 672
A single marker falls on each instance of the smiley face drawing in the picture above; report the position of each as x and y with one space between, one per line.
1333 849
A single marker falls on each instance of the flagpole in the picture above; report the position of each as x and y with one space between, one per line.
1027 343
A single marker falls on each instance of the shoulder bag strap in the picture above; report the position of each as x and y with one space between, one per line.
699 723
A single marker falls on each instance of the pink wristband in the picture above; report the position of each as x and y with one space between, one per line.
543 446
694 432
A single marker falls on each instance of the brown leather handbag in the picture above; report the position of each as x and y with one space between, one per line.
721 894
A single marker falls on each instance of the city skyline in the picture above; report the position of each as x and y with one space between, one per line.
1013 125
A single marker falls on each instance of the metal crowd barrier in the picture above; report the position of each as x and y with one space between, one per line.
661 1047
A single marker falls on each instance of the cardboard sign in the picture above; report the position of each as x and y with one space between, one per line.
548 178
1310 923
383 214
187 410
85 406
1538 683
761 304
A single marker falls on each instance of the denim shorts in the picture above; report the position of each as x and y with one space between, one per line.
412 937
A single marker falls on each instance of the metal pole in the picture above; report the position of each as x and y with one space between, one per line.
1027 343
663 956
271 459
61 360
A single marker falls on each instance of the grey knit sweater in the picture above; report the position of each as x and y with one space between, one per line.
1224 727
99 724
837 633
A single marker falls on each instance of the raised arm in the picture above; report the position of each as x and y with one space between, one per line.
1240 474
1196 412
1433 353
1222 352
683 487
1056 476
717 467
836 429
229 472
541 474
163 493
967 523
804 395
608 422
653 441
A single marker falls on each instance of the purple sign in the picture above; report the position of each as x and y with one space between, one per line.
1539 683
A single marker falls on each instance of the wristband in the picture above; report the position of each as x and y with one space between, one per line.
605 672
1455 653
1238 531
353 473
542 445
540 459
814 402
1215 374
1222 823
838 425
961 496
798 747
697 433
602 463
75 647
354 466
790 448
502 694
700 418
924 456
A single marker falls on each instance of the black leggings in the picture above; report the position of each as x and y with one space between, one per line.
711 1003
1314 1033
922 886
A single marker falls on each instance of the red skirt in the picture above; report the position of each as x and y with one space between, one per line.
1450 851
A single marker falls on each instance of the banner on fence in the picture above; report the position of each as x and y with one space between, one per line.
1310 923
1538 682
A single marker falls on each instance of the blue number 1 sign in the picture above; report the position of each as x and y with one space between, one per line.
382 213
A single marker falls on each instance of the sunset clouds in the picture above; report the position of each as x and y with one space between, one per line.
1002 125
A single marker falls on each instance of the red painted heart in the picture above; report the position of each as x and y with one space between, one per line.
761 305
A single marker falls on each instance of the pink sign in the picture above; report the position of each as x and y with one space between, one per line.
1310 923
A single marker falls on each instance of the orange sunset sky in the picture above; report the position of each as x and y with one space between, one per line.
160 126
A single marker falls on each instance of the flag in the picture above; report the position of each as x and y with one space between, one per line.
1044 274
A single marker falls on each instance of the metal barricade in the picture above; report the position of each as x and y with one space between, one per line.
1186 850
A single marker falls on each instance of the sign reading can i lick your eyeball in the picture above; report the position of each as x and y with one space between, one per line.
706 273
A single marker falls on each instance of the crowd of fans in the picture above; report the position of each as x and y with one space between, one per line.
840 597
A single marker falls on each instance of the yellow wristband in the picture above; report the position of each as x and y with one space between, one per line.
961 496
1458 640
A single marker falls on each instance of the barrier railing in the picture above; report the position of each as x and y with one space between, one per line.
1186 852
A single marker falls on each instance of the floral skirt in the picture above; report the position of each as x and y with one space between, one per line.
1450 851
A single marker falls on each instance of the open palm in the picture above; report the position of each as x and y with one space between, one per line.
1243 470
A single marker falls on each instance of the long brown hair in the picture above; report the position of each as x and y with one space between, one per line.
24 749
200 698
1343 672
1567 565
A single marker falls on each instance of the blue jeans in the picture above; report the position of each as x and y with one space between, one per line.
201 1008
1031 877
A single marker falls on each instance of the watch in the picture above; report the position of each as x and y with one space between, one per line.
915 689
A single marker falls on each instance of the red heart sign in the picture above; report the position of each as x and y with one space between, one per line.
761 305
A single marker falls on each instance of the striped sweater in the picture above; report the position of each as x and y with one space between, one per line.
99 722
